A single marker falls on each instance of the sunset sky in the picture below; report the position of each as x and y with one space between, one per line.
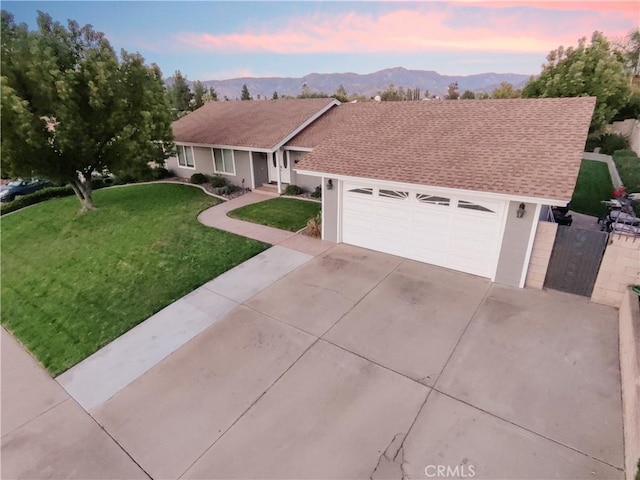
218 40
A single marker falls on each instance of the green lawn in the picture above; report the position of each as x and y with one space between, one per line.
628 165
284 213
71 283
593 186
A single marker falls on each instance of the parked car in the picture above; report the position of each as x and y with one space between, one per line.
21 187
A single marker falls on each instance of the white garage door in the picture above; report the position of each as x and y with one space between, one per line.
454 232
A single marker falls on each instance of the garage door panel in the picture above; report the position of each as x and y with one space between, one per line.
465 239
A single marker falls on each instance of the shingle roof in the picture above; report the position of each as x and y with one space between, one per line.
523 147
257 124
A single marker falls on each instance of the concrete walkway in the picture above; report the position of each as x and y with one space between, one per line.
100 376
217 217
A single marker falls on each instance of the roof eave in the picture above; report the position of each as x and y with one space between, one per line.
436 189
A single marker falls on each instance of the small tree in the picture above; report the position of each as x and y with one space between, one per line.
452 91
274 96
211 95
244 94
468 95
180 94
506 90
341 94
199 92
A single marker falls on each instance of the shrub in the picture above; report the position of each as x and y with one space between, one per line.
293 190
218 181
630 110
592 143
159 173
610 142
314 226
198 178
317 193
36 197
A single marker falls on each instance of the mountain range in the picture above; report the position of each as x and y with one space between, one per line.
368 84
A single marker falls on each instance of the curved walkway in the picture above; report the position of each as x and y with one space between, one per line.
216 217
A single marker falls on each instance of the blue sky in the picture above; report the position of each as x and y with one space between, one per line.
216 40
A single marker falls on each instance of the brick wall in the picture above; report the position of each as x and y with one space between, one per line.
620 268
542 246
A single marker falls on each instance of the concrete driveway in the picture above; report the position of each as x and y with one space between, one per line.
363 365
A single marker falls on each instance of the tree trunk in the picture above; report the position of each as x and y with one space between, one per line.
84 193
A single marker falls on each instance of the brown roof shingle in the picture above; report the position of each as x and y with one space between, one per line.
523 147
257 124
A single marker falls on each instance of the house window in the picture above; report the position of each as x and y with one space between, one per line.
185 156
223 161
473 206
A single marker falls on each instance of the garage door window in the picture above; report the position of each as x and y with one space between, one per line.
362 191
473 206
394 194
432 199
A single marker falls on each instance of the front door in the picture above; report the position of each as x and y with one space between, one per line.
284 166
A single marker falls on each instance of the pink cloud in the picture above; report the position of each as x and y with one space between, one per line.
402 30
630 9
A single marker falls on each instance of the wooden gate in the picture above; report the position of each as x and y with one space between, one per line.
575 260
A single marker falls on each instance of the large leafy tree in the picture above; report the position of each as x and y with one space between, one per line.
594 69
72 107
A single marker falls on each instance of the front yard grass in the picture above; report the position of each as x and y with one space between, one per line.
593 186
284 213
72 283
628 165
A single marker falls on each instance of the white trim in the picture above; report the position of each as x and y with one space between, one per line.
193 158
339 202
298 149
233 161
322 210
503 228
532 236
278 155
253 178
227 147
435 189
308 122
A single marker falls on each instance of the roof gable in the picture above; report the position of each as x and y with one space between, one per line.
528 147
261 124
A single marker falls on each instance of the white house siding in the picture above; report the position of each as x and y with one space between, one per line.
515 242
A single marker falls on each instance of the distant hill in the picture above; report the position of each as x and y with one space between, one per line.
368 85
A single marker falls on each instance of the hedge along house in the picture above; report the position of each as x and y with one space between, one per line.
458 184
244 141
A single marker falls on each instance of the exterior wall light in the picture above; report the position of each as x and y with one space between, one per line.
520 212
329 184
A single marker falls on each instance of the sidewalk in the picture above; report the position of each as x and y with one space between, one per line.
45 433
